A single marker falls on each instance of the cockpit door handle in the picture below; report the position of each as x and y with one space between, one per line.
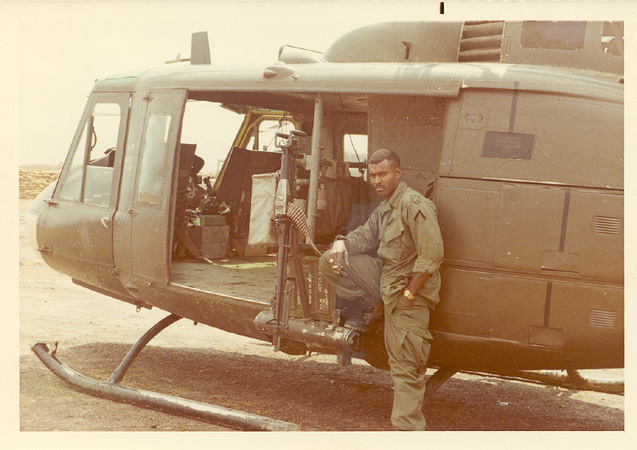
105 221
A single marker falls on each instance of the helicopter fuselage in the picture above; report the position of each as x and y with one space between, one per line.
524 162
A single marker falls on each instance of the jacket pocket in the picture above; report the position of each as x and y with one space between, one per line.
393 231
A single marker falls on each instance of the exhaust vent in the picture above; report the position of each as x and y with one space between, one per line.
481 41
607 225
604 319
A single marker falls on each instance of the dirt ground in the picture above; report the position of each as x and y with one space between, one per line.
208 365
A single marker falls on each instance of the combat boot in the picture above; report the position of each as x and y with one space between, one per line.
369 318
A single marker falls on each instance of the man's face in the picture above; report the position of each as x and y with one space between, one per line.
384 178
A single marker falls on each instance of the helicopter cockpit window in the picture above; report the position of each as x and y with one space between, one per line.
72 187
152 164
93 157
99 171
553 35
263 135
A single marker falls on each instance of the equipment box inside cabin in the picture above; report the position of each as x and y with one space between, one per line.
211 237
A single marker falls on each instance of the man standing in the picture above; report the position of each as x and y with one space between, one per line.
404 232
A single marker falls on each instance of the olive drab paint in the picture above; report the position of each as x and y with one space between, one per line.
513 129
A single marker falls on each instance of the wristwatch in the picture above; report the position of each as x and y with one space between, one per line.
407 293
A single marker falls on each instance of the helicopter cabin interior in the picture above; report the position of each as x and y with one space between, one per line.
224 226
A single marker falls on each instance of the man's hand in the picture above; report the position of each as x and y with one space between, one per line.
417 282
338 256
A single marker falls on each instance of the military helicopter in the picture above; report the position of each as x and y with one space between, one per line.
513 129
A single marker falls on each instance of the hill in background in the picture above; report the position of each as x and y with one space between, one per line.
35 178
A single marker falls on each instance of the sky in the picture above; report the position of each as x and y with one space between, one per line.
62 47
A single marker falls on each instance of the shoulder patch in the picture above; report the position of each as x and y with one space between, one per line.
415 199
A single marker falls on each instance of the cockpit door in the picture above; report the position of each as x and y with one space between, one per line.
76 230
151 212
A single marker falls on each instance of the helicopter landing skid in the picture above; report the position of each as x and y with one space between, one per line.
113 390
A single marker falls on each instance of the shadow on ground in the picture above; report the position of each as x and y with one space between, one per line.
316 394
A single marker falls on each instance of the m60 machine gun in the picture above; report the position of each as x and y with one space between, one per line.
284 227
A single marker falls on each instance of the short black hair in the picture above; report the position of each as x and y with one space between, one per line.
384 154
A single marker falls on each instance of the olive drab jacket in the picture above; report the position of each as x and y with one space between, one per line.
404 231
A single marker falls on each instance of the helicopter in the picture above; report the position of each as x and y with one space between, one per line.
513 129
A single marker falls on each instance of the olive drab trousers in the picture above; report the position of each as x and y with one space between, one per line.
407 337
408 344
361 279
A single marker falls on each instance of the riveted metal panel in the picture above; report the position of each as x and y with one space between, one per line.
551 133
529 223
465 302
591 316
516 303
594 231
411 126
582 45
466 219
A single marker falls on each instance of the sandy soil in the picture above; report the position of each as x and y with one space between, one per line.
204 364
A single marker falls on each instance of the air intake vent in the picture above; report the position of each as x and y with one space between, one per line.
481 41
607 225
605 319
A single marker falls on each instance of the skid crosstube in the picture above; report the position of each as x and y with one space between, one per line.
113 390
